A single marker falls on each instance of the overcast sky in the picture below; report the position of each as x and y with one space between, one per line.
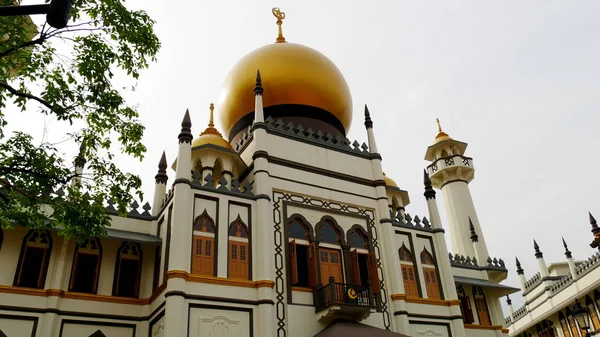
519 81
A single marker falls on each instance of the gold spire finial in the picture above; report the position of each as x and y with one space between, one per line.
441 136
280 16
210 121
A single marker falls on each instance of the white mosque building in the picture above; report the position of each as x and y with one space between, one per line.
279 227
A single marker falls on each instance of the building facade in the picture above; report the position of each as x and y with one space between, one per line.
553 293
280 227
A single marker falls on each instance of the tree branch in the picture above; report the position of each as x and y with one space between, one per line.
28 96
9 51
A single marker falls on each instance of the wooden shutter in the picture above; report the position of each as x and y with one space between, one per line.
355 267
594 316
74 271
373 273
293 262
313 255
565 328
431 281
484 318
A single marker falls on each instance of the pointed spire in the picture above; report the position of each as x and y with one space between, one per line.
161 177
368 121
210 130
429 191
538 253
520 270
441 136
508 300
567 252
258 89
595 228
185 136
211 123
474 237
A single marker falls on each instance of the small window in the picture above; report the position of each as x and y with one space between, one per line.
35 255
409 274
239 265
358 239
86 267
128 270
329 234
481 306
298 230
465 305
203 262
430 272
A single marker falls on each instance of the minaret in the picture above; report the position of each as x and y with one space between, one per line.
521 274
79 163
451 172
595 231
570 260
160 186
181 230
263 191
540 258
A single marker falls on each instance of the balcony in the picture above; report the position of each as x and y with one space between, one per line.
340 300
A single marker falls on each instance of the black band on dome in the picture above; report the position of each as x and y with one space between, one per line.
307 116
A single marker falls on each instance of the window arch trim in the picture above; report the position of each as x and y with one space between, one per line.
98 264
341 240
362 233
118 263
23 254
304 223
197 225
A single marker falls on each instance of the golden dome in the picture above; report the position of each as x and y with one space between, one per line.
389 181
291 74
211 135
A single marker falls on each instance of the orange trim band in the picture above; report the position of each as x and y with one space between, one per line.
219 280
303 289
484 327
430 301
78 296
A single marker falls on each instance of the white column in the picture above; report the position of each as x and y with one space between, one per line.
540 259
264 211
160 187
459 208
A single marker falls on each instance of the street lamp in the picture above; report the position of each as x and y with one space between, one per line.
582 316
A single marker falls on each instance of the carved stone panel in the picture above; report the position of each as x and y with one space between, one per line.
205 322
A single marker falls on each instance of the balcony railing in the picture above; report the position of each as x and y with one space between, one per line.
342 294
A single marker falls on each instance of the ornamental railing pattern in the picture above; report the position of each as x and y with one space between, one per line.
335 293
450 161
458 260
588 265
410 222
533 281
307 134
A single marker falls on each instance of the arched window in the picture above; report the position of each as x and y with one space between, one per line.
33 263
593 313
203 247
86 267
481 306
409 274
429 270
330 258
239 250
364 263
572 324
128 269
564 325
548 329
303 253
465 305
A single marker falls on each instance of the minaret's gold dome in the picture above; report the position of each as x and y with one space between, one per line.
292 74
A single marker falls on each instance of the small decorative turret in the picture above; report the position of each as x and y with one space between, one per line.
258 89
185 136
538 253
161 177
259 114
160 187
570 260
368 121
567 251
521 274
595 231
510 307
370 134
520 270
540 258
429 191
474 236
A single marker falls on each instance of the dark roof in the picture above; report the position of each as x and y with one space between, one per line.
343 328
505 290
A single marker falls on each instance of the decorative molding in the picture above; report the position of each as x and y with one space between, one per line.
429 301
279 223
483 327
219 280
